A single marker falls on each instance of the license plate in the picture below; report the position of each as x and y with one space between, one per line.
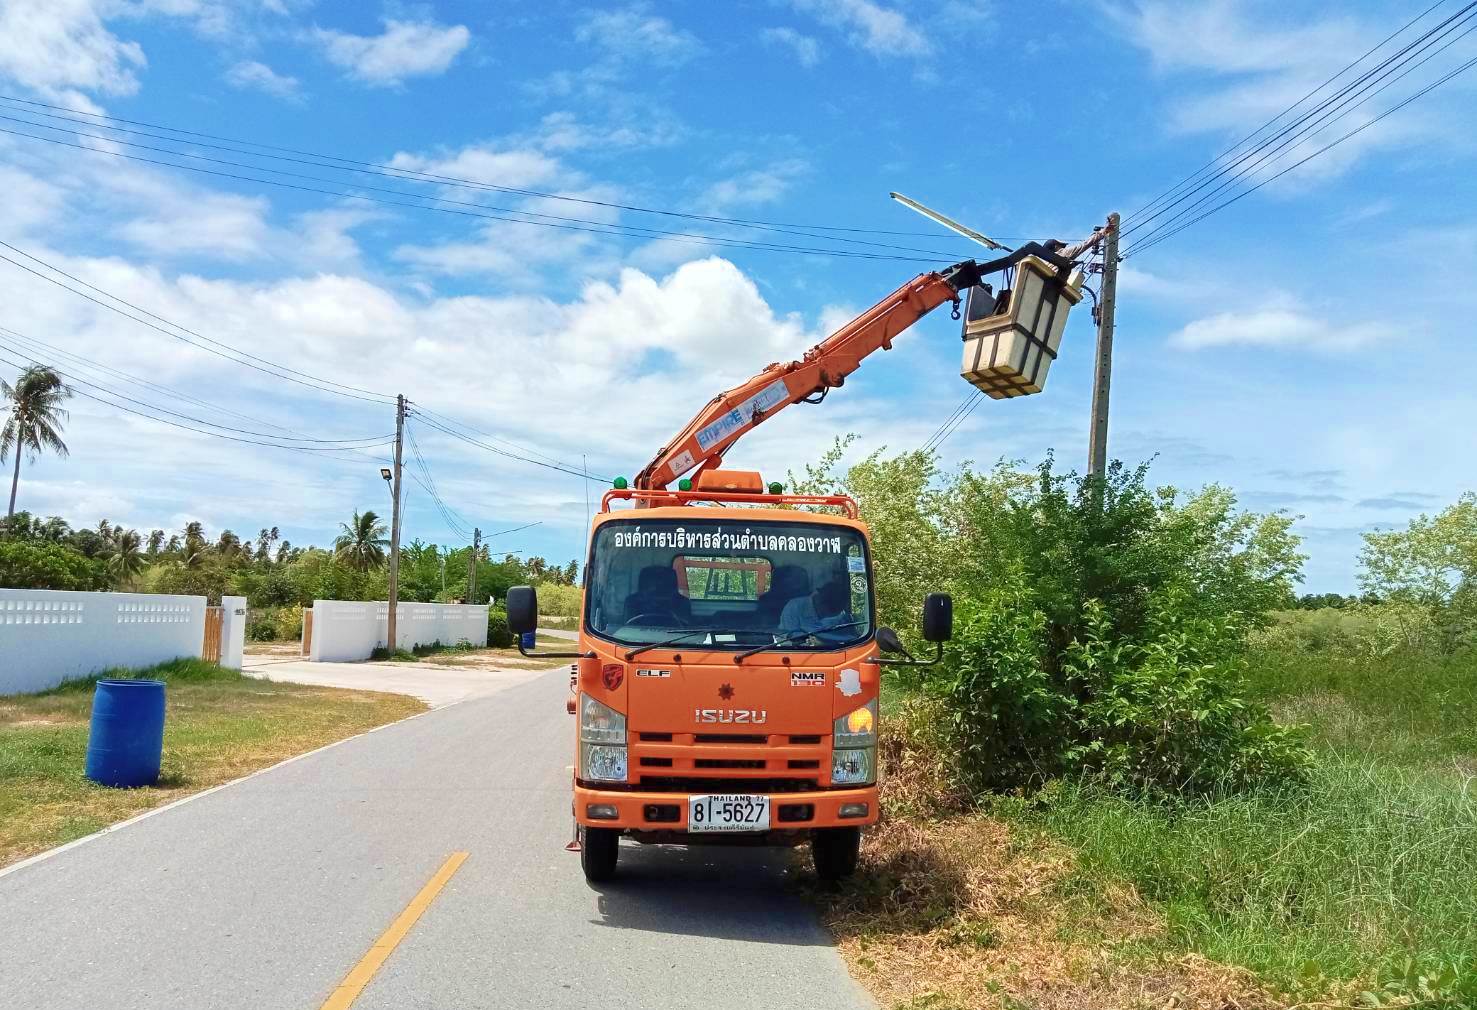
728 812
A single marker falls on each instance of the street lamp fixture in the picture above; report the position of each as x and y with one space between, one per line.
385 473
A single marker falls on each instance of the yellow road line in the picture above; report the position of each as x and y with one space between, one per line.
354 983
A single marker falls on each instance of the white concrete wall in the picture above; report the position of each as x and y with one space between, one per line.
47 637
233 631
345 632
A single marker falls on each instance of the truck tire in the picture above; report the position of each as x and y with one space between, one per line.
599 850
835 852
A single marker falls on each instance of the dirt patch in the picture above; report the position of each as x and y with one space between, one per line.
967 912
284 650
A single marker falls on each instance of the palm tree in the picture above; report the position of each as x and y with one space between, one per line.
127 558
156 542
362 544
36 419
194 533
229 543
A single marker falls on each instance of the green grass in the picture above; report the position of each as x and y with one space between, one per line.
219 725
1371 863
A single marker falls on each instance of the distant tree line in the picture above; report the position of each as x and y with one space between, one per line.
267 569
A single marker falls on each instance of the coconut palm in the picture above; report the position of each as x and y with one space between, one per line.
194 533
362 543
127 558
35 421
156 542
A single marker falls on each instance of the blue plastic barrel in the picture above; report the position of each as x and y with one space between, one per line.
530 639
126 741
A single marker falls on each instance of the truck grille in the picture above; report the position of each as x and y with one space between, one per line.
695 784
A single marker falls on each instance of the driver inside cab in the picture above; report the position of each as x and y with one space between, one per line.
828 607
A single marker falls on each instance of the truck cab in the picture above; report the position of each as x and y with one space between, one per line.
726 682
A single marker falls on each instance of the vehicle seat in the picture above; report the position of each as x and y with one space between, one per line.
789 582
656 593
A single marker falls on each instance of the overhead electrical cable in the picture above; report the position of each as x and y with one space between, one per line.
1210 165
219 349
938 434
22 363
1297 128
503 452
422 409
394 171
1156 237
447 513
1270 156
462 208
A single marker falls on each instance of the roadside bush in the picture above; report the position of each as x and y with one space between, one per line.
556 600
273 624
1102 625
498 635
39 565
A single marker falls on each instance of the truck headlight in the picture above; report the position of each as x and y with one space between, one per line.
857 728
602 763
853 766
599 723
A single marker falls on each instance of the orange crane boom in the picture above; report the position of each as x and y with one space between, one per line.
729 415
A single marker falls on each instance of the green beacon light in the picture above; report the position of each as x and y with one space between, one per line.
776 488
620 483
685 484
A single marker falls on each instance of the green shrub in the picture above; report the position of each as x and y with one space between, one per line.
558 601
40 565
498 635
1103 625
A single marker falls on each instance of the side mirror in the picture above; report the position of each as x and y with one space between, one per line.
938 617
522 607
888 642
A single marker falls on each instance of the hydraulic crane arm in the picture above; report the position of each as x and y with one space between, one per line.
825 366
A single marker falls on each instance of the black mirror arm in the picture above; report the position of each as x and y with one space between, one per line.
531 654
910 661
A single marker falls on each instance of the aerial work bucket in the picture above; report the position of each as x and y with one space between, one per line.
1010 340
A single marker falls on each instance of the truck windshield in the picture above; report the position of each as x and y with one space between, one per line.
722 584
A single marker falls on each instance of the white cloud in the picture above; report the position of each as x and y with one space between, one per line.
806 50
57 45
253 75
1278 327
404 49
754 187
486 164
633 34
879 30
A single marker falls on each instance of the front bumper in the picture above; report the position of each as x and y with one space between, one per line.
653 811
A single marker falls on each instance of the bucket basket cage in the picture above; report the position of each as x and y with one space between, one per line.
1011 339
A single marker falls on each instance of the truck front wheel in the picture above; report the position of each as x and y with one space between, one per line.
835 851
599 850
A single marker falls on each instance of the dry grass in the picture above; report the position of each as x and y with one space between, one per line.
967 912
215 730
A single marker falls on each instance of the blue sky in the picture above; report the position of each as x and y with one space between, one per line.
1310 347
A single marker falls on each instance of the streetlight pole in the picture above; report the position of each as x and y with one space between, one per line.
1097 459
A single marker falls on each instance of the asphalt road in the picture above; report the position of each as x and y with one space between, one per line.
435 685
263 895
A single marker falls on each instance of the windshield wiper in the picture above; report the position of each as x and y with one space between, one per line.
672 641
795 636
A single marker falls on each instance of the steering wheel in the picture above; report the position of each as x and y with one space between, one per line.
655 618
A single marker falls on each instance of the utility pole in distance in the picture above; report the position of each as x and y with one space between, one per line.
472 563
1097 458
395 521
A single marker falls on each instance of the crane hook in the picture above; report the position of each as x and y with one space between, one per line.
954 314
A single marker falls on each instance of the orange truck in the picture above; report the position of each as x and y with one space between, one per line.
727 676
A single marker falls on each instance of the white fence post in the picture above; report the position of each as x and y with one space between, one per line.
47 637
233 631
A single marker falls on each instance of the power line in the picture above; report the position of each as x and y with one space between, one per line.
393 171
459 207
447 513
503 452
1269 123
176 424
938 433
369 440
1336 107
249 360
1160 235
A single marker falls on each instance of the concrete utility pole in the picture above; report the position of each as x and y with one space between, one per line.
395 520
472 564
1097 458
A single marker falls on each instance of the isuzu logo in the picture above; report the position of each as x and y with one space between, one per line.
737 716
